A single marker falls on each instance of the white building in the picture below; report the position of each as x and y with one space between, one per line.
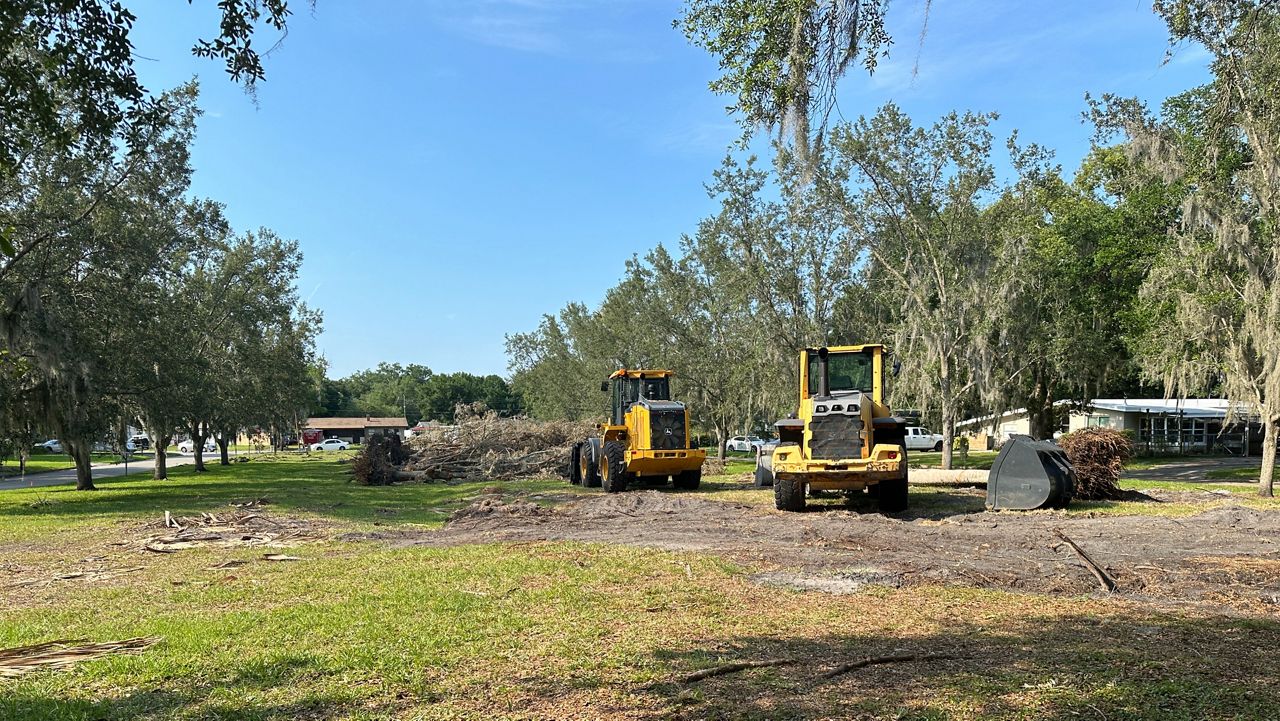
1191 425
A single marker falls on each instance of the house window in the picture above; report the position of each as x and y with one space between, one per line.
1099 421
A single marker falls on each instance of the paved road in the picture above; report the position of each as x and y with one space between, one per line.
100 470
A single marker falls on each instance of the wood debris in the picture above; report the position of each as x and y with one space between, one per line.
1105 581
484 445
234 528
20 660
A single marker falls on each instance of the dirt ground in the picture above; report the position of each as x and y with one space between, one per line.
1226 557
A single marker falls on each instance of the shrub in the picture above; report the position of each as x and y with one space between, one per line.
1099 455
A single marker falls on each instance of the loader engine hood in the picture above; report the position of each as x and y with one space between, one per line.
666 424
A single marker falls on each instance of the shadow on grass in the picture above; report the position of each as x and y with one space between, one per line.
237 697
1123 666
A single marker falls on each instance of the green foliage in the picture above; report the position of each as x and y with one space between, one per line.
67 75
412 391
781 59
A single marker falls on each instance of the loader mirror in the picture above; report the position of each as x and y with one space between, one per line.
897 367
604 386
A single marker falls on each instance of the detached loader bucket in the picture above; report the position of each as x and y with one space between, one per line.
1030 474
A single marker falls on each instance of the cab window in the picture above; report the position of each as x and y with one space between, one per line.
845 371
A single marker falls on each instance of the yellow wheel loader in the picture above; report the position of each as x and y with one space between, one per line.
843 436
646 437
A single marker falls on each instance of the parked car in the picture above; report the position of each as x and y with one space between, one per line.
52 445
189 446
746 444
138 443
330 444
923 439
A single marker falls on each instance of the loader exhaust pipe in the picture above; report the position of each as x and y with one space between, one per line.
824 378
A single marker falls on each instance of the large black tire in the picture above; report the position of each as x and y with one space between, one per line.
764 477
589 463
687 480
575 472
613 468
937 447
788 494
892 497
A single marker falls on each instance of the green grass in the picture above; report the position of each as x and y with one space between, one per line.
1233 474
369 630
980 460
294 484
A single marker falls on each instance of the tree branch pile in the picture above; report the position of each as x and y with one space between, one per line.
1099 455
484 445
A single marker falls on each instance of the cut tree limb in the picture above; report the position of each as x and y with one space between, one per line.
891 658
734 668
1105 581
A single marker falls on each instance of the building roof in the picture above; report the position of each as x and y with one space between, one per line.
333 424
1188 407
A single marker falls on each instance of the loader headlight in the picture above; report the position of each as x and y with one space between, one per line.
837 409
820 409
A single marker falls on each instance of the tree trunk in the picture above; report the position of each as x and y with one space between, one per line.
222 447
1040 413
161 470
948 434
722 442
84 470
1268 458
198 436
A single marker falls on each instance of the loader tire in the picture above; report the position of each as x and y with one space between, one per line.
764 477
575 472
892 497
788 494
613 468
589 463
687 480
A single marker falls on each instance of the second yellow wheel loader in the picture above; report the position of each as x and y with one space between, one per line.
843 436
646 437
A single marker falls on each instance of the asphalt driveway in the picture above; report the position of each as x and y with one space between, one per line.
1192 469
100 470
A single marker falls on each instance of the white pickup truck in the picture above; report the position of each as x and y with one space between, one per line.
923 439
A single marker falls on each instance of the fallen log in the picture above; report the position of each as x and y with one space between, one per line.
1105 581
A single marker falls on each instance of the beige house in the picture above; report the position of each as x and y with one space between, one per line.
355 430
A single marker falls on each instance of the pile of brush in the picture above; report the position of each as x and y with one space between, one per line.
482 445
1099 455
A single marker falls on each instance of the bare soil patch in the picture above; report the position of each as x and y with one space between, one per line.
1227 556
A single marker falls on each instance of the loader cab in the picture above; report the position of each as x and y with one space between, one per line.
842 370
626 388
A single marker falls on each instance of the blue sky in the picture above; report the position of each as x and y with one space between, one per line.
455 169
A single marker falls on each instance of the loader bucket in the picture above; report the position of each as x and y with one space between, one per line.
1030 474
